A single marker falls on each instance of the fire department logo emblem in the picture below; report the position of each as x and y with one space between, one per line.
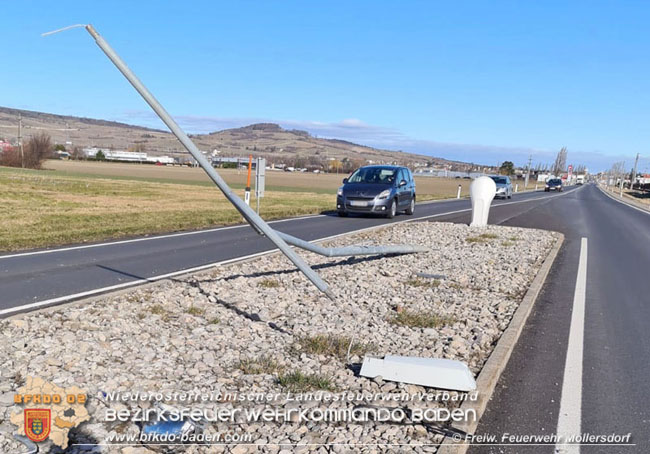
37 424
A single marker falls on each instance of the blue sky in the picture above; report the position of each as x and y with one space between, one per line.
476 81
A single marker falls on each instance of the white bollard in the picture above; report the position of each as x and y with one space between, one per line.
482 192
459 189
517 188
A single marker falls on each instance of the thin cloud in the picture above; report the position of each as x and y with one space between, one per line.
357 131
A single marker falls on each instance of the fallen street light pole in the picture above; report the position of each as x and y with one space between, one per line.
248 214
256 222
352 250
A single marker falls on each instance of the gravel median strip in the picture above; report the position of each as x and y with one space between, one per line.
259 326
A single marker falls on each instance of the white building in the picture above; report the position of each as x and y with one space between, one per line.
127 156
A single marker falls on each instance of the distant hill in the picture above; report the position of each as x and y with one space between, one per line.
263 139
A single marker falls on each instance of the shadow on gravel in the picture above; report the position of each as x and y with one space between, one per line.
345 261
197 284
250 316
76 436
355 368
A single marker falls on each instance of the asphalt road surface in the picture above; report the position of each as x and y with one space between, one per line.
613 387
602 269
40 278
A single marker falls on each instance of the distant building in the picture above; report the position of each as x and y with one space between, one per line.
127 156
239 162
445 173
643 179
5 146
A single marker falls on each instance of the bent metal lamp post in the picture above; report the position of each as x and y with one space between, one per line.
278 238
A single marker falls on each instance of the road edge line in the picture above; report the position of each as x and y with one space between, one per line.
496 363
118 289
570 413
162 236
611 196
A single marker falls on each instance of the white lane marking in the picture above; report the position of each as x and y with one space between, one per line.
622 201
196 232
149 238
74 296
569 420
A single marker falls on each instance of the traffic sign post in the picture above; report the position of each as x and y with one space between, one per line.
260 177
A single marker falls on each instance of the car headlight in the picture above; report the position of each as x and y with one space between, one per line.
340 191
384 194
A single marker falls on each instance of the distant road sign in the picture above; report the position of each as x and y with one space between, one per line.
260 177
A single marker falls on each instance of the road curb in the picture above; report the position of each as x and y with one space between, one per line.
496 363
629 202
117 289
148 283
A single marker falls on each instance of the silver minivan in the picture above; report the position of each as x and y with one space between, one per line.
378 189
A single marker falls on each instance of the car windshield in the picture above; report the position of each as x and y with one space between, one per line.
373 175
555 181
499 180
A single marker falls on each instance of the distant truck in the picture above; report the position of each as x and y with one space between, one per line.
580 179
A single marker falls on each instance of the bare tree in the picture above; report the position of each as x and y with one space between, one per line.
560 162
618 170
77 153
37 150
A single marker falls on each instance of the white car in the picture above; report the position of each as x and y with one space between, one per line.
504 186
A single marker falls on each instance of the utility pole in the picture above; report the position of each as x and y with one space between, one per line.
636 162
530 160
20 140
67 136
620 194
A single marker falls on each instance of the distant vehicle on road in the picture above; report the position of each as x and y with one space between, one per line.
554 184
504 186
377 189
580 180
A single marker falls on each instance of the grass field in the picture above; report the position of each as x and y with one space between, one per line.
75 202
428 188
45 209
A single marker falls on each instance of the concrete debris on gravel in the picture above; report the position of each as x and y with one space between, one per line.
248 327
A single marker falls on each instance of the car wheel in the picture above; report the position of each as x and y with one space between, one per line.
411 209
392 209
